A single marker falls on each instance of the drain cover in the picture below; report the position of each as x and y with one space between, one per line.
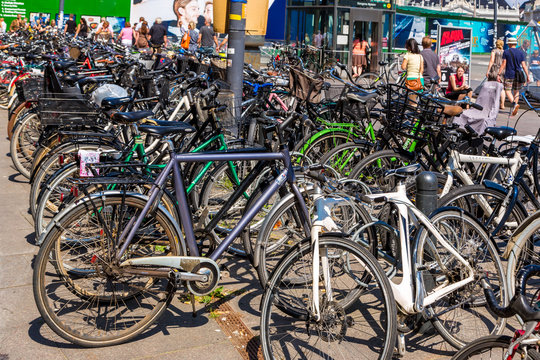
241 336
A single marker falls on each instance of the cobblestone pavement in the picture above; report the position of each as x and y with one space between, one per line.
177 335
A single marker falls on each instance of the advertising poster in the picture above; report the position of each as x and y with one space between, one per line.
173 13
454 49
406 27
482 32
39 18
92 21
116 23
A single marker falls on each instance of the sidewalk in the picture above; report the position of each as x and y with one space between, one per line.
177 335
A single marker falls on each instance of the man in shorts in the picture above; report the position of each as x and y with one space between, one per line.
514 60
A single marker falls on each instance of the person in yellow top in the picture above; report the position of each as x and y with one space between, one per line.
413 63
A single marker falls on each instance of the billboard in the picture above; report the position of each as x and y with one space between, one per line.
406 27
92 21
454 49
482 32
116 23
39 18
172 12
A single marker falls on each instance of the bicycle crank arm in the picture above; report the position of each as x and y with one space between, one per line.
186 263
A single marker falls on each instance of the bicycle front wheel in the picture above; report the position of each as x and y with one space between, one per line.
81 291
366 327
462 315
491 348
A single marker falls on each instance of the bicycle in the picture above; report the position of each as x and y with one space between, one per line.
525 342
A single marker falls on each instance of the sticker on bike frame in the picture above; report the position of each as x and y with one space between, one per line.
282 178
87 157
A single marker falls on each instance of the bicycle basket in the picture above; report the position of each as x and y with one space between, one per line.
29 89
304 86
218 69
66 109
226 117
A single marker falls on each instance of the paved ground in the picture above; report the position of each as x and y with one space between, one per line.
177 335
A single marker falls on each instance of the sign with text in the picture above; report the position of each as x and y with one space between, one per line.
454 49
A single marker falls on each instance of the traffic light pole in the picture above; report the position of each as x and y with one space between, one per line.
235 51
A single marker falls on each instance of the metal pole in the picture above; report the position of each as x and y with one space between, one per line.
235 51
60 14
495 7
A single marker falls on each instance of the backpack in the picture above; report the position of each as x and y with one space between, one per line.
185 40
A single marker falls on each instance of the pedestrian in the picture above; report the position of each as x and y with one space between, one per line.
140 24
413 63
3 26
525 46
515 73
126 35
193 36
207 37
359 59
495 62
318 39
432 63
142 39
535 66
158 36
82 28
15 24
104 33
457 87
70 26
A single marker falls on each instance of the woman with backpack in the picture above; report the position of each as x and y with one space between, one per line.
142 39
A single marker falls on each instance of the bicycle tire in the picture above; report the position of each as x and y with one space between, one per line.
20 111
467 198
22 145
369 80
462 315
377 330
344 158
485 346
316 149
57 282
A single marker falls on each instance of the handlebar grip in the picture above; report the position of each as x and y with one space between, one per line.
317 176
207 92
470 130
504 312
477 106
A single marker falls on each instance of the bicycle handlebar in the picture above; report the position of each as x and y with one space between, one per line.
518 304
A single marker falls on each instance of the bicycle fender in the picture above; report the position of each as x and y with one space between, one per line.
313 138
493 185
111 193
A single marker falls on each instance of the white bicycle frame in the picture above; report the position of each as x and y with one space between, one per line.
404 292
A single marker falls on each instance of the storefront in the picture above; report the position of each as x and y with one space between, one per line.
339 22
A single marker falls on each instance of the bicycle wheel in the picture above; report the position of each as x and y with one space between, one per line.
344 158
481 202
79 289
463 315
314 150
368 80
491 348
22 145
365 328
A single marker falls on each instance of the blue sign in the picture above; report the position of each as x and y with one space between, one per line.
482 32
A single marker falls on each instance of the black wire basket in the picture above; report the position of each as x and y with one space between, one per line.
29 89
66 109
411 113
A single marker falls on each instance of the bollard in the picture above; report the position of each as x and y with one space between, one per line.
426 192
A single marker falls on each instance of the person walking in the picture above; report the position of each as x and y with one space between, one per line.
514 62
158 36
82 28
535 67
142 38
193 36
495 62
70 26
207 37
413 63
126 35
359 52
432 64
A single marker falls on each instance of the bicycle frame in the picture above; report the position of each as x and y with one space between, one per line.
286 175
409 293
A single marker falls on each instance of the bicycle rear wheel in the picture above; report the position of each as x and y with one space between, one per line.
463 315
365 328
81 291
491 348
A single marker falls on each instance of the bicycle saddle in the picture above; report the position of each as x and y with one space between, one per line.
361 96
501 132
63 65
172 128
130 117
111 102
73 78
